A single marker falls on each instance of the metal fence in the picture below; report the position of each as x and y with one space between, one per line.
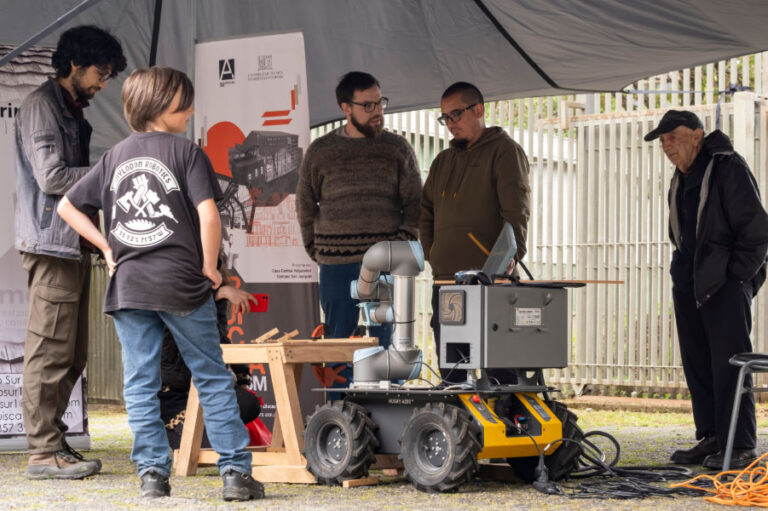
105 369
599 211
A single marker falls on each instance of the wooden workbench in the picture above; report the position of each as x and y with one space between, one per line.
282 461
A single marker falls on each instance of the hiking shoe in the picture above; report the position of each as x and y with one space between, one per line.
77 455
239 486
154 485
59 465
696 454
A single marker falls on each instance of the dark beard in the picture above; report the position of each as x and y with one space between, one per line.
366 129
80 93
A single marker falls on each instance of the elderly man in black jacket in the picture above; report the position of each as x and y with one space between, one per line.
719 229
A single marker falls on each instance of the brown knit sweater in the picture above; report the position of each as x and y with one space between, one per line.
354 192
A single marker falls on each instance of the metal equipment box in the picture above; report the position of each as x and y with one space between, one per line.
503 326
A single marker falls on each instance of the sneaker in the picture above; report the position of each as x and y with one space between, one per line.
154 485
696 454
59 465
239 486
77 455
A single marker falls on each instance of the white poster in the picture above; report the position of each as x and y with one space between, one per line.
20 77
252 120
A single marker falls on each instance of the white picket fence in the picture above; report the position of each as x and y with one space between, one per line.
599 210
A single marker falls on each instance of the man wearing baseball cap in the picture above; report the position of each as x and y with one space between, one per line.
719 230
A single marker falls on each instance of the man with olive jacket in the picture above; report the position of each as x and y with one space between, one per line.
719 229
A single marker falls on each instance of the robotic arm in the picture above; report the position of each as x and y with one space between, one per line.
389 299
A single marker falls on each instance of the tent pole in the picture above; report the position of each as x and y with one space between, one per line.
191 65
47 30
515 45
155 32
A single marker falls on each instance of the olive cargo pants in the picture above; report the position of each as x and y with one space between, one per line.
56 344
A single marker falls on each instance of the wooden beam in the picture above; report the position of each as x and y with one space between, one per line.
364 481
288 335
283 474
191 436
264 337
384 461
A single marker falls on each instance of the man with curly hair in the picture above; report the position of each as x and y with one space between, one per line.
52 154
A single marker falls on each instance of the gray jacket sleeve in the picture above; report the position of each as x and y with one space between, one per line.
43 143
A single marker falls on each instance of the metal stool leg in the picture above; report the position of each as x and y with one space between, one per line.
734 417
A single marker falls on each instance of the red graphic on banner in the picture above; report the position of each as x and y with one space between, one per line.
276 122
281 113
277 113
220 138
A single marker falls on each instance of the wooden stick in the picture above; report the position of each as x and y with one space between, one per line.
266 336
365 481
479 245
288 335
556 281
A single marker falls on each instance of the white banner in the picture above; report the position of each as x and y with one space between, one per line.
28 71
252 120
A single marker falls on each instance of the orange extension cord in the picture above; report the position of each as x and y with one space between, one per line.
748 488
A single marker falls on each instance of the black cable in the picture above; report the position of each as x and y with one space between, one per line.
608 480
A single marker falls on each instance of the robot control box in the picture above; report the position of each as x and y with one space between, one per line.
503 326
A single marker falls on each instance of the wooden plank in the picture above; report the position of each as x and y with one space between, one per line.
321 354
283 474
264 337
333 350
536 281
288 335
287 404
191 436
386 461
365 481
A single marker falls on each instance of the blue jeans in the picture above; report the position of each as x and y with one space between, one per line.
141 336
341 311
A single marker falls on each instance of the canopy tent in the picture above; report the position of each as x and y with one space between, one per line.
508 48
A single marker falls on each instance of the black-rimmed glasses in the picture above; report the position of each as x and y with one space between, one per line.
104 74
370 106
453 116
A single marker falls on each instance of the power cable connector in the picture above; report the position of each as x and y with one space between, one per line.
542 482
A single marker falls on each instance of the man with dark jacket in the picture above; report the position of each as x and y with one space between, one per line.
473 188
52 142
719 229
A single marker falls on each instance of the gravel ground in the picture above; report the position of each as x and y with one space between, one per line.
645 439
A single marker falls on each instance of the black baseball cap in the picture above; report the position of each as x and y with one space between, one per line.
671 120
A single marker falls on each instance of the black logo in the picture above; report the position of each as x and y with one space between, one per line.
265 62
226 71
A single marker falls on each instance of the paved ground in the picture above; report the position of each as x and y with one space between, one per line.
646 438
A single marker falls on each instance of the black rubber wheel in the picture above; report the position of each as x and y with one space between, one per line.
564 460
339 442
439 447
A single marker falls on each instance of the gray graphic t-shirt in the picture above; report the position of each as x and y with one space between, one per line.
149 186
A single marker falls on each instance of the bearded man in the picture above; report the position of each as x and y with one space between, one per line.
358 185
52 154
473 187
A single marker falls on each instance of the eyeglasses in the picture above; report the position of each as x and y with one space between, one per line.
104 74
454 116
370 106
